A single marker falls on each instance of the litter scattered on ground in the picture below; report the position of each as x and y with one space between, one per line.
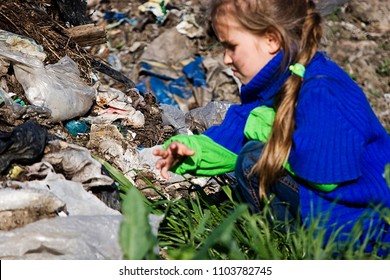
113 80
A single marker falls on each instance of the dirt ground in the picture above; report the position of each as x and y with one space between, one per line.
357 36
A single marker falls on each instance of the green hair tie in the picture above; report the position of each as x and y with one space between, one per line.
298 69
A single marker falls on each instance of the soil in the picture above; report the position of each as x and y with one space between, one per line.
357 36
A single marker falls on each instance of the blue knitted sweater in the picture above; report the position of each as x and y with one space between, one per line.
337 139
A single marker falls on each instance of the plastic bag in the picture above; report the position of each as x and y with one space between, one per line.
173 85
25 144
202 118
55 86
58 87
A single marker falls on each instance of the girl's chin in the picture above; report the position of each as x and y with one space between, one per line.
239 77
242 80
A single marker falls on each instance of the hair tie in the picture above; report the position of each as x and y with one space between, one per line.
298 69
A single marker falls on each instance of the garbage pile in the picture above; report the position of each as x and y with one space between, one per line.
62 105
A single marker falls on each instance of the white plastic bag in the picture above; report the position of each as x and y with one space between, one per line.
55 86
58 87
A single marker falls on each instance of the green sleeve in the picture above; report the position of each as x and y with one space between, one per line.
259 123
209 159
258 127
320 187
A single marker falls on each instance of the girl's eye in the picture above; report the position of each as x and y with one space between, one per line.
229 47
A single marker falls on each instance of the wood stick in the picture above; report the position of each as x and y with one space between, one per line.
87 35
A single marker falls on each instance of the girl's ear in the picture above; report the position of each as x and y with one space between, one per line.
273 41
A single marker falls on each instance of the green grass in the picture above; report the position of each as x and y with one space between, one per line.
384 46
335 15
383 69
199 229
387 174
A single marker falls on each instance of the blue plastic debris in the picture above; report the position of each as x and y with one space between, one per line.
111 15
115 62
161 90
20 101
133 21
166 82
180 88
120 18
194 72
75 127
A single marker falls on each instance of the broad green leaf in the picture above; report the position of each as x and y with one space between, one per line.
135 236
116 174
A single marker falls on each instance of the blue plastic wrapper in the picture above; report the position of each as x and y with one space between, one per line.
163 82
141 86
75 127
110 15
194 72
161 90
180 88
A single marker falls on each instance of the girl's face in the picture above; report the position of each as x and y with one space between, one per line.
245 53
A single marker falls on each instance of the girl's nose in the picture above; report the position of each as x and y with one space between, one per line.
227 59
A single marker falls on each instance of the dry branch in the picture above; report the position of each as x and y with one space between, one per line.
87 35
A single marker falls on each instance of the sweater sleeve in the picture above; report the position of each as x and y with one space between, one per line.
327 146
209 159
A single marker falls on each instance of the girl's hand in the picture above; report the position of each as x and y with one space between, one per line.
173 154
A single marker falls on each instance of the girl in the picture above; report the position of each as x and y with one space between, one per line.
304 131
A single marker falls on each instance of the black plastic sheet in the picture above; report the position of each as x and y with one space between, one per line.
24 144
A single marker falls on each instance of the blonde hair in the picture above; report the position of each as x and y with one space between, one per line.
298 27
